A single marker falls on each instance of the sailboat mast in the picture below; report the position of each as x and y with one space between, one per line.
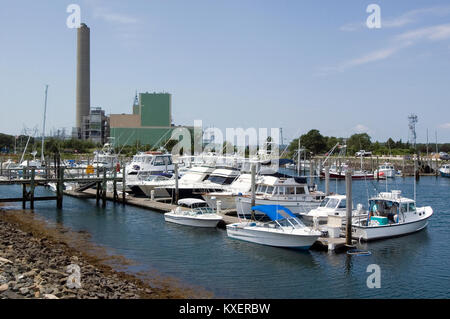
43 125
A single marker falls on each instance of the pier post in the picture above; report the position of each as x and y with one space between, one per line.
378 171
124 185
59 187
348 186
437 167
327 180
319 169
97 188
403 166
177 195
104 188
310 171
24 195
115 195
32 188
253 185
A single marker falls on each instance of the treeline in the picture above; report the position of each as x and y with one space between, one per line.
51 145
316 144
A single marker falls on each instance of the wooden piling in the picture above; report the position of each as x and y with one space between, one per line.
253 190
60 188
177 194
97 188
32 188
327 180
115 195
24 196
124 185
348 186
104 185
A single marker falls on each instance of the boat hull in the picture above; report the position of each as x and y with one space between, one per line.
189 221
387 231
285 240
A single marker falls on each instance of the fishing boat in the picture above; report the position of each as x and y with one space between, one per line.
445 170
291 192
387 170
338 172
284 229
197 214
391 215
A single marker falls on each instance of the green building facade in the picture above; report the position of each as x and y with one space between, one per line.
149 124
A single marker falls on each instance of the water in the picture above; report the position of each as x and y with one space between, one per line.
414 266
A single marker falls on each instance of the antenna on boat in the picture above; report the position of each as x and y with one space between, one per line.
43 125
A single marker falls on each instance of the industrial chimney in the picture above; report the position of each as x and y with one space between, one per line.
83 102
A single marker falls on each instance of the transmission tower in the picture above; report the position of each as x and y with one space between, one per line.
412 129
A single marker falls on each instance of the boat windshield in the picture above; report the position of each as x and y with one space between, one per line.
204 210
222 180
290 222
332 203
324 202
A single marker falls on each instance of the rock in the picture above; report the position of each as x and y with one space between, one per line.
50 296
37 294
4 287
5 261
24 290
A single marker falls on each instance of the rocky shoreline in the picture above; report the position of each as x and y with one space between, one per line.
34 264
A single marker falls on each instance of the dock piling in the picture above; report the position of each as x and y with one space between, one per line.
348 186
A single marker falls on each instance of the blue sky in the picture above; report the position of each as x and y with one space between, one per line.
294 64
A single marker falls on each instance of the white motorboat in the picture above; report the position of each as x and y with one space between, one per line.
284 229
386 170
332 205
241 185
146 185
148 163
197 214
105 158
391 215
202 179
445 170
292 193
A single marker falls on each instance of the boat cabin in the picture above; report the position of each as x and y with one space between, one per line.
196 205
389 207
288 188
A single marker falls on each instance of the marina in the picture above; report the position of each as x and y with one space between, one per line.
132 231
222 153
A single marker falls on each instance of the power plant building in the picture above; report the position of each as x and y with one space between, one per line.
149 124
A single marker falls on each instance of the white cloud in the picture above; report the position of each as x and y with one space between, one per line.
434 33
399 42
445 126
360 128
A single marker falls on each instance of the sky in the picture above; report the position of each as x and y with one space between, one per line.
298 64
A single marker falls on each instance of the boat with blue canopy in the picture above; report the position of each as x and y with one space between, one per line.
283 230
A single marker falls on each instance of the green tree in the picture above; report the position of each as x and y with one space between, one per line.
314 142
358 142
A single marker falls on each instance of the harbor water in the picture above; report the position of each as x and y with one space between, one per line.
412 266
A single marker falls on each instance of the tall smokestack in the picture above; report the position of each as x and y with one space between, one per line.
83 102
